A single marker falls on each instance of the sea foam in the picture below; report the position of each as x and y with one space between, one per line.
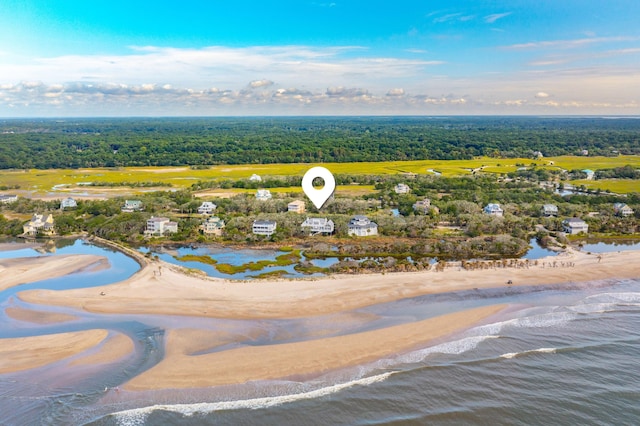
532 351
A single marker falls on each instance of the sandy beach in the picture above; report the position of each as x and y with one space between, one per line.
36 316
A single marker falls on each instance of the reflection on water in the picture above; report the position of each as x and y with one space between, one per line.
610 246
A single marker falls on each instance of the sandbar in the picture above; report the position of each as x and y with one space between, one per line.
180 370
113 348
37 317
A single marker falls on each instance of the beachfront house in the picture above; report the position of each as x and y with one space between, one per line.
318 225
549 210
264 227
621 209
212 226
206 207
402 188
422 206
296 206
574 226
68 203
39 225
493 209
361 226
132 206
7 199
159 226
263 194
255 178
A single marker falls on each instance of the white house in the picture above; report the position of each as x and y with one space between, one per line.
255 178
422 206
590 174
318 225
493 209
574 226
296 206
68 203
402 188
264 227
207 207
212 226
39 225
549 210
132 206
160 226
621 209
6 199
263 195
361 226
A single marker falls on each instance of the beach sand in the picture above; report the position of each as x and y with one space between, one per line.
180 370
113 348
37 317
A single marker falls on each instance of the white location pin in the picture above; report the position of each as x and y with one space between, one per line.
318 196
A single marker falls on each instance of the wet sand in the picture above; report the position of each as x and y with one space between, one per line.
113 348
37 317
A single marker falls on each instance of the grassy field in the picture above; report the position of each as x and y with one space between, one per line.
44 181
619 186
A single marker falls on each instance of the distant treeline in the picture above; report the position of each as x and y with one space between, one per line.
74 143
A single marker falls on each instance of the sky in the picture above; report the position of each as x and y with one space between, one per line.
63 58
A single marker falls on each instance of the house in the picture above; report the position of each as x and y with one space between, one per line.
263 195
574 226
361 226
296 206
590 173
402 188
160 226
537 155
585 152
132 206
39 225
549 210
318 225
264 227
422 206
6 199
255 178
493 209
68 203
212 226
206 207
621 209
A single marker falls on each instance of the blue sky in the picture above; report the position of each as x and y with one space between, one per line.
104 58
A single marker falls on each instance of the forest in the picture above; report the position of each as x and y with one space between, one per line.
118 142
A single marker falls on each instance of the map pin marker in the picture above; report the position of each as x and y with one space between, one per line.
318 196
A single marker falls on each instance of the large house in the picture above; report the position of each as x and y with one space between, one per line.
621 209
549 210
212 226
493 209
160 226
255 178
39 225
402 188
132 206
590 173
263 194
206 207
361 226
574 226
422 206
318 225
6 199
264 227
68 203
296 206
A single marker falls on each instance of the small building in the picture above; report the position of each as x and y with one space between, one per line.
574 226
263 195
422 206
296 206
160 226
585 152
68 203
493 209
361 226
207 207
318 225
212 226
39 225
132 206
550 210
621 209
537 155
402 188
264 227
255 178
590 174
7 199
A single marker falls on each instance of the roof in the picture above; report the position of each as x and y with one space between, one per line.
264 222
574 221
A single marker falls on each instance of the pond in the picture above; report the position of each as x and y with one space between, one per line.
537 252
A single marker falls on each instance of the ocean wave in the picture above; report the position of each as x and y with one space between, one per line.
628 297
600 308
532 351
454 347
138 416
537 320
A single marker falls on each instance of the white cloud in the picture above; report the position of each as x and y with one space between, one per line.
490 19
567 44
396 92
542 95
260 83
